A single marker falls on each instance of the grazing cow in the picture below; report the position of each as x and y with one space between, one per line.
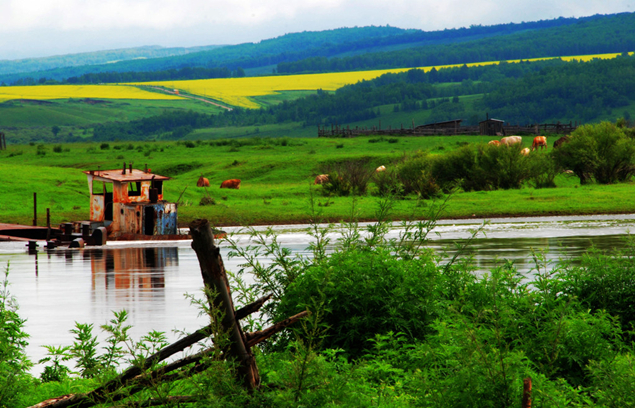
525 151
233 183
380 169
321 179
539 141
561 141
202 182
510 140
494 142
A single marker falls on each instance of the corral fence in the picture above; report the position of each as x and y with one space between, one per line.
3 141
445 129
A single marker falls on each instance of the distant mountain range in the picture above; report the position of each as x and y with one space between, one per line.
344 49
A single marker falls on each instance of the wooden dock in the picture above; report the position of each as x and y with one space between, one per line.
18 232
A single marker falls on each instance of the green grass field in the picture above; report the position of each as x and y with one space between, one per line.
277 181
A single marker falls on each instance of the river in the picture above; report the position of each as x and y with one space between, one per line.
55 289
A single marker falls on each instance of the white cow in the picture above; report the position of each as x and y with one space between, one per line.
510 140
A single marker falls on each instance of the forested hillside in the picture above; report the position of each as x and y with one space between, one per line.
523 93
312 49
92 58
600 34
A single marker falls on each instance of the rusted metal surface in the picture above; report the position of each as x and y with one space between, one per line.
136 201
97 208
116 175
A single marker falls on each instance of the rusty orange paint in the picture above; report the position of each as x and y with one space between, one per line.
128 211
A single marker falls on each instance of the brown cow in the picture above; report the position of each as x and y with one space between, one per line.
202 182
494 142
561 141
380 169
539 141
321 179
233 183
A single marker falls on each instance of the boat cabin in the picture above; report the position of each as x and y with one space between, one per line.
130 201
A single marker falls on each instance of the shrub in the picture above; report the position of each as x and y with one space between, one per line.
347 177
606 282
416 177
14 363
367 292
602 152
41 150
543 170
104 146
388 182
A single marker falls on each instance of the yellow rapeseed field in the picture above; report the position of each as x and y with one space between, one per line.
47 92
240 91
232 91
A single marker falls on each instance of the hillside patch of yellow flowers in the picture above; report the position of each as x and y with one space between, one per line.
231 91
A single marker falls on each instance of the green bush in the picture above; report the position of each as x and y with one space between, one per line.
543 170
416 176
366 292
347 177
606 282
14 363
601 152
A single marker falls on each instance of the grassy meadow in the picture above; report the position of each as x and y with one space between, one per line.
277 181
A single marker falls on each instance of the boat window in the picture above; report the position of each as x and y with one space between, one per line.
134 189
100 187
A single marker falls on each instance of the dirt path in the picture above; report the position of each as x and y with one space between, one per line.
191 97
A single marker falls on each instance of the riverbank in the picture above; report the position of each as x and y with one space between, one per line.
277 182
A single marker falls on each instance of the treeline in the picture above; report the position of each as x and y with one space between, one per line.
593 36
522 93
132 76
308 50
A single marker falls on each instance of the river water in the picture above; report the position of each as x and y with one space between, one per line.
55 289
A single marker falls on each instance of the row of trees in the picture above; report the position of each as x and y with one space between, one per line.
593 36
602 153
523 93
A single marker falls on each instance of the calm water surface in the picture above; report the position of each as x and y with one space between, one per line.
57 288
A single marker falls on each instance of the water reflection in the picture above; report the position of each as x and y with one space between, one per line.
57 288
488 253
131 272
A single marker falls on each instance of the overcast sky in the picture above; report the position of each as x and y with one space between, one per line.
36 28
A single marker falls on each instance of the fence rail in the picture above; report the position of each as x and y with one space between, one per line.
341 131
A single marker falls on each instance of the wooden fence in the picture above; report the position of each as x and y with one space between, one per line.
341 131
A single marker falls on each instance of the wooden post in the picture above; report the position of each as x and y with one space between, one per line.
215 280
527 392
34 209
48 224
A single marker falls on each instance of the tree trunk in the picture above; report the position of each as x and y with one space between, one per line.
215 280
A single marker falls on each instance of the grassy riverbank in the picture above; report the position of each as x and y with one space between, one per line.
277 181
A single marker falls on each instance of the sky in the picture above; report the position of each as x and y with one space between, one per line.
38 28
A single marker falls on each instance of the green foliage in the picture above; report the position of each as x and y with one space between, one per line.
366 292
543 170
482 167
415 174
14 363
600 151
347 177
606 282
